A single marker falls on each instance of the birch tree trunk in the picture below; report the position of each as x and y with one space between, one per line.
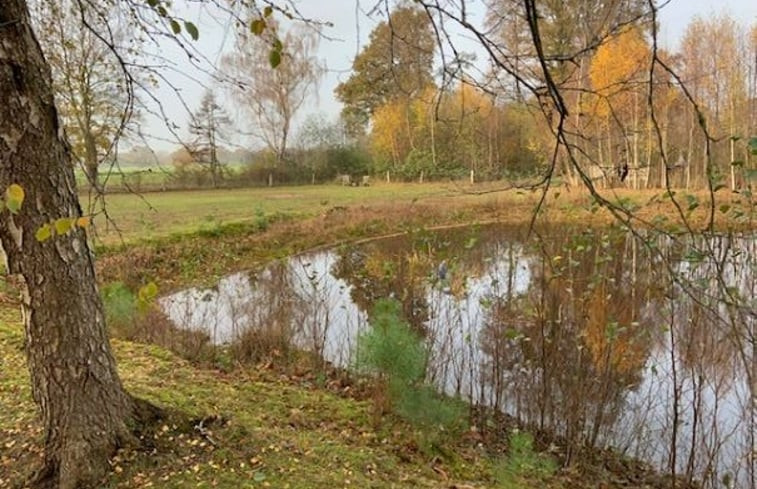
84 407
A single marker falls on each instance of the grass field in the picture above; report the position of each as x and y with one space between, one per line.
159 214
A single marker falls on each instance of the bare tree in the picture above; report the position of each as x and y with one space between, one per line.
208 125
272 96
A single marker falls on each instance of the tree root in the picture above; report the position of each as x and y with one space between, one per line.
82 463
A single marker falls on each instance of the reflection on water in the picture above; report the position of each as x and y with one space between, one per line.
645 345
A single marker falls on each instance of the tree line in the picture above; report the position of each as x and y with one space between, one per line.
417 127
406 118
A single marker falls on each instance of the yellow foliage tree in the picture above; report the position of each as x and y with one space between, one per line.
618 72
385 132
618 69
403 125
475 115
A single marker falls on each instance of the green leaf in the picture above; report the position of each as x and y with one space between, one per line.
63 225
725 208
512 333
192 30
43 233
14 197
274 57
152 3
257 26
693 201
737 163
146 295
267 11
175 27
162 11
148 291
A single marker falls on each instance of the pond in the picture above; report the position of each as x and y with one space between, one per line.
643 343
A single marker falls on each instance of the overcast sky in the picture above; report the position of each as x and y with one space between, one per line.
351 27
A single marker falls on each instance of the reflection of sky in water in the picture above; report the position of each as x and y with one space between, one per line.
329 321
216 311
326 320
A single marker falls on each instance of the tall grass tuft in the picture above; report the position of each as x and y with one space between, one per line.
523 465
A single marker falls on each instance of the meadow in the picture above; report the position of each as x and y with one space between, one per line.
158 214
133 217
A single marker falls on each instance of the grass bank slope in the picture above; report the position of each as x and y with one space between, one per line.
243 429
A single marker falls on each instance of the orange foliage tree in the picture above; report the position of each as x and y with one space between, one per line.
618 72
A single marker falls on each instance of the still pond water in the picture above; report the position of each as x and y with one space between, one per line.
645 344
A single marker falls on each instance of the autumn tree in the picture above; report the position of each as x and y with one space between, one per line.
569 33
469 112
618 73
90 88
451 134
396 63
714 54
208 126
272 96
404 135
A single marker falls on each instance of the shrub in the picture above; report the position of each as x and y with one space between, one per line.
120 308
391 350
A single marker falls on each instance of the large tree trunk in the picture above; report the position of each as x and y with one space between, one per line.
74 381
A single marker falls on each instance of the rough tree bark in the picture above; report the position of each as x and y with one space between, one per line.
85 410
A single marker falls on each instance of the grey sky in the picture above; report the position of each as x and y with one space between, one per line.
350 31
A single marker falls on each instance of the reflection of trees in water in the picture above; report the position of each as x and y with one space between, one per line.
404 267
376 272
645 343
262 324
711 344
575 336
570 353
719 319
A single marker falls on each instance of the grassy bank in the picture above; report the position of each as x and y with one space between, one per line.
259 429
